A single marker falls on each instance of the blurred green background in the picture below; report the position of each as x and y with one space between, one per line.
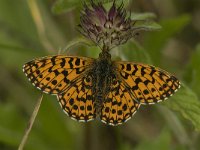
35 28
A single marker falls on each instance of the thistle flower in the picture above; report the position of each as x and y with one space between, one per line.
107 28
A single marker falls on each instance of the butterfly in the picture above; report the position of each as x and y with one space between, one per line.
88 88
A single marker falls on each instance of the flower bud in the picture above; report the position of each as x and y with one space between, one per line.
107 29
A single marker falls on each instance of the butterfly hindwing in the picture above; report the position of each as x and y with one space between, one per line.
78 101
147 83
119 105
53 74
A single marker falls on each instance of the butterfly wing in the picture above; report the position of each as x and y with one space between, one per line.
78 101
119 105
67 77
54 74
148 84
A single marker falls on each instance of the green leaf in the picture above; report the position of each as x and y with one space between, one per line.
147 25
144 21
186 102
192 74
156 41
142 16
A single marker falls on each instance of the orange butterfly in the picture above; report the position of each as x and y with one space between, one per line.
87 88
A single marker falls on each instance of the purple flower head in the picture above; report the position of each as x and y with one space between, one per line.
106 28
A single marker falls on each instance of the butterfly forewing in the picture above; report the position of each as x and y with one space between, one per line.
147 83
119 105
54 74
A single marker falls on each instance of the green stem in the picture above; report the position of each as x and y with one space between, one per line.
30 124
75 42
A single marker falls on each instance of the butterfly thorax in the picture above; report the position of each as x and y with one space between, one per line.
102 77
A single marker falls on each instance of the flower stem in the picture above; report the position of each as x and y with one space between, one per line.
30 124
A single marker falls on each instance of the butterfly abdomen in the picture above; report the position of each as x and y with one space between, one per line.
102 73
